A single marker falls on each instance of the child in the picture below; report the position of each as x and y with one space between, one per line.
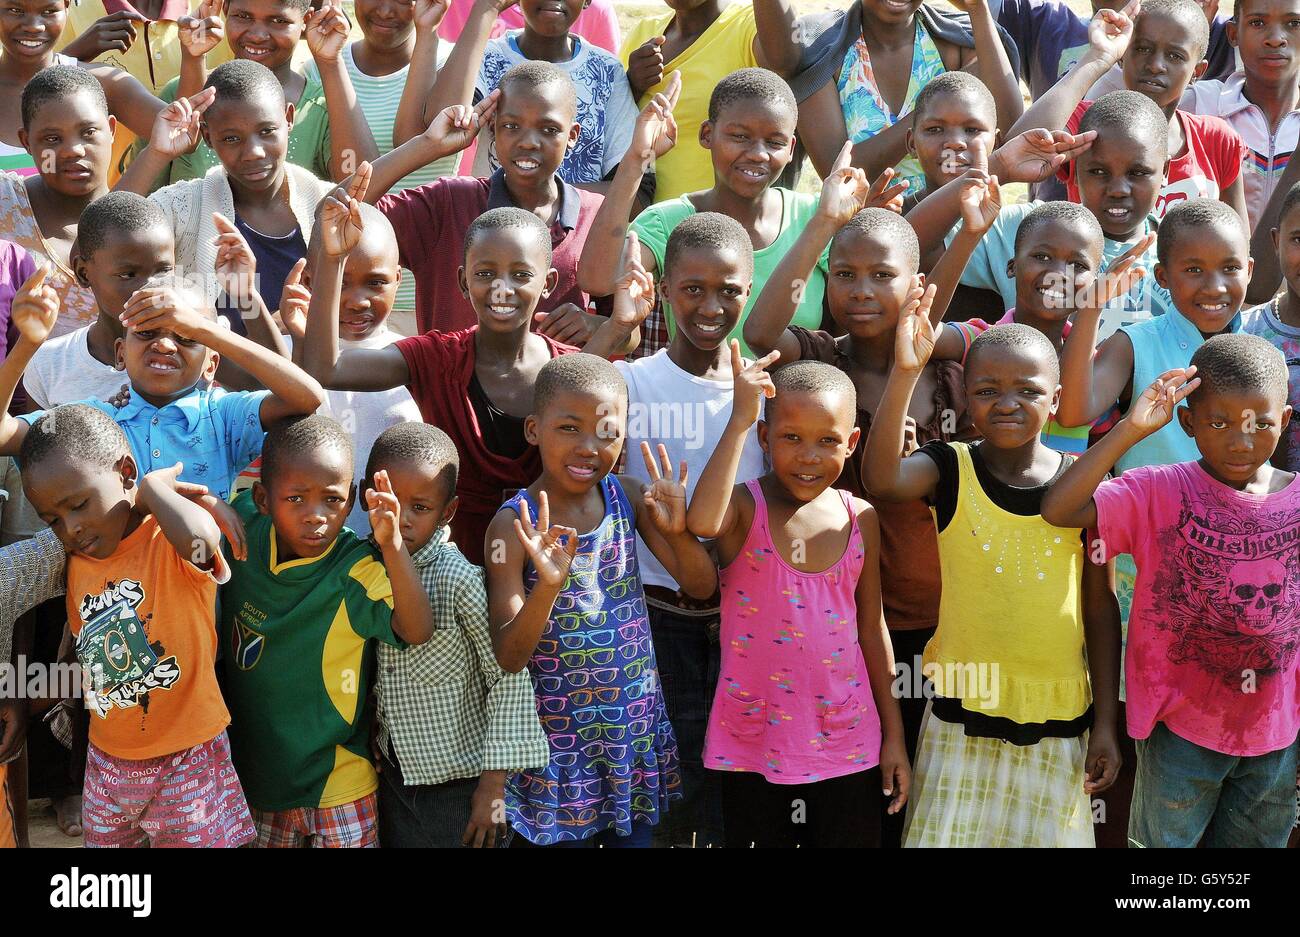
477 383
750 136
300 618
1006 757
451 725
1211 661
704 40
861 75
271 200
170 352
1162 52
565 599
328 134
1278 321
370 280
803 745
142 574
682 395
605 109
39 212
953 119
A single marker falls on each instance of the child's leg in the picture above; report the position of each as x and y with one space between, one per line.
843 813
422 816
908 648
1176 791
199 801
757 813
117 792
282 829
1257 806
348 826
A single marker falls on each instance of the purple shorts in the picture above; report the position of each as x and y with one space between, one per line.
188 799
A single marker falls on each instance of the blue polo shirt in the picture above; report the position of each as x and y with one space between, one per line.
213 433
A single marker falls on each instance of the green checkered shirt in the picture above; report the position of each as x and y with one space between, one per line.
31 571
447 706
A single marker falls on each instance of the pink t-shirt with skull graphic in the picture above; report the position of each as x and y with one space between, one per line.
1214 635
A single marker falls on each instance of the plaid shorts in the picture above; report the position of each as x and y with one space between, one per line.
351 825
191 798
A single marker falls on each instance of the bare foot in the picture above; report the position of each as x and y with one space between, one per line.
67 814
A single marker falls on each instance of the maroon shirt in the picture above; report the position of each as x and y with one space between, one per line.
431 221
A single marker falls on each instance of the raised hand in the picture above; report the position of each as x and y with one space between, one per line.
634 293
914 339
665 496
429 14
568 324
176 128
294 302
236 266
1110 31
35 307
981 202
113 33
201 33
1155 408
655 132
550 549
645 66
844 190
340 218
1122 275
385 513
327 31
456 127
162 307
1036 155
751 384
885 193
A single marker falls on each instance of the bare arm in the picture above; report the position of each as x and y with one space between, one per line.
34 310
775 46
350 139
661 522
190 529
991 64
412 616
128 100
411 118
1101 629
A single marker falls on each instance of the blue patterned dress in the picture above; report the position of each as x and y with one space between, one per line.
613 755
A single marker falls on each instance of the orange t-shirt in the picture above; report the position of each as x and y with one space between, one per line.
145 624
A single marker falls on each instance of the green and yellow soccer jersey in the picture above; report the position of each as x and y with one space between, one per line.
299 641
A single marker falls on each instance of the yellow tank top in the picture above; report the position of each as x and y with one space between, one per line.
1010 641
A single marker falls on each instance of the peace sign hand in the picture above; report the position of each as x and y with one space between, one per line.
751 385
550 549
665 496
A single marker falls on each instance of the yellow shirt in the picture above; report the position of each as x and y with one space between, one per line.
726 46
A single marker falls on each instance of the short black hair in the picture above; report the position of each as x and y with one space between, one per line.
1289 202
74 432
115 213
887 227
295 435
300 5
1064 212
415 444
59 83
576 373
752 84
537 74
1015 335
1133 114
1240 361
1190 14
956 84
504 219
810 377
712 230
240 81
1195 214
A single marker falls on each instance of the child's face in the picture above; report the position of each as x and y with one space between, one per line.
162 366
751 144
133 260
1056 264
1236 430
870 278
426 500
30 28
808 439
87 506
505 276
707 290
533 129
1161 60
251 139
72 143
551 18
1267 34
1119 182
890 11
943 137
308 500
1207 275
1011 394
579 437
263 31
370 278
1286 238
385 24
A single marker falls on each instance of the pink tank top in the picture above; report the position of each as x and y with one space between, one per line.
794 700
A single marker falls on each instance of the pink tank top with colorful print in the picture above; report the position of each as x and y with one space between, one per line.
793 701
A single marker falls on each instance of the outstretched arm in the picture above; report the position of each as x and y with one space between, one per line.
34 310
775 46
451 131
991 65
421 74
350 139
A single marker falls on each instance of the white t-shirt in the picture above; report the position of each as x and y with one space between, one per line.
366 414
64 371
688 415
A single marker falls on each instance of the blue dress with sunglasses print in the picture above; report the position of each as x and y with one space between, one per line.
613 756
